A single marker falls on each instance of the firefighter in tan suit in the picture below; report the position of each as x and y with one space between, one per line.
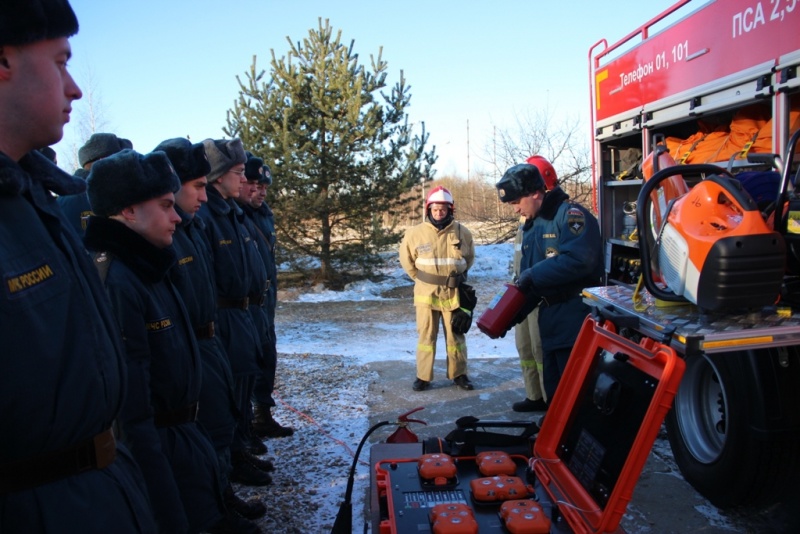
529 347
436 254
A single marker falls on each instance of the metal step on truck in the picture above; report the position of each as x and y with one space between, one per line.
695 121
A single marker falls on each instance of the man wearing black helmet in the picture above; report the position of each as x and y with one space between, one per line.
561 254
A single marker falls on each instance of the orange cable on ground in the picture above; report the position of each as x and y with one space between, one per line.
315 423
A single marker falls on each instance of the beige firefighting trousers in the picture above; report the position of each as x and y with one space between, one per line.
428 321
529 349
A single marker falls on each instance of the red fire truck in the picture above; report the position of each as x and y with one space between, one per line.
710 82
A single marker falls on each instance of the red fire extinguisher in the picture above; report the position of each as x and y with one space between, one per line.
496 319
403 434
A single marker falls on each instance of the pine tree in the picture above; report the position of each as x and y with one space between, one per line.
341 150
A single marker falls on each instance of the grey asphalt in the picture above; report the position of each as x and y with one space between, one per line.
662 501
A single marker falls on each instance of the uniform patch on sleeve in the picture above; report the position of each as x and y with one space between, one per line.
425 248
18 283
576 221
164 323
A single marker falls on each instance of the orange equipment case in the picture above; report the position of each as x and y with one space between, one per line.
602 423
585 461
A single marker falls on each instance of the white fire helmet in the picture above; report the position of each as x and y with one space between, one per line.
439 195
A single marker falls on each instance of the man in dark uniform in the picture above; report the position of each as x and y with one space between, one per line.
99 146
257 257
258 211
193 276
234 276
561 254
61 364
133 199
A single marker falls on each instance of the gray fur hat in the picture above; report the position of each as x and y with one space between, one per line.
255 170
128 178
223 154
27 21
101 145
189 159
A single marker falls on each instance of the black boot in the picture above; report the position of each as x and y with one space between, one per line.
527 405
248 509
265 464
255 445
463 382
265 426
244 472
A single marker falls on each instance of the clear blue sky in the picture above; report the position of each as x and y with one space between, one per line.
167 68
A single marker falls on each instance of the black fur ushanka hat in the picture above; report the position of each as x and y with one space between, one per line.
189 159
256 171
128 178
27 21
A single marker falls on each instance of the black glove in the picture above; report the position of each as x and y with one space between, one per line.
525 280
461 321
467 299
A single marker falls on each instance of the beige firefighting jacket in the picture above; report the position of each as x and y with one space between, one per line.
438 253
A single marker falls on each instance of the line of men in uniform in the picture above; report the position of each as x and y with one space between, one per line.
223 271
136 313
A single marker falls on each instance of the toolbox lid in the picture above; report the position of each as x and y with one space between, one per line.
601 424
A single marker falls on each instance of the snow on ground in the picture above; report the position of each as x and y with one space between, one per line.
491 261
396 340
321 389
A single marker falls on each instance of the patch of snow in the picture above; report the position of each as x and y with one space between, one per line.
491 261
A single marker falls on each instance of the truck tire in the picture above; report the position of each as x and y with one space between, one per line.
734 425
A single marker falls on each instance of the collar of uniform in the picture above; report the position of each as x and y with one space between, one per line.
187 220
142 257
237 209
216 204
552 200
35 166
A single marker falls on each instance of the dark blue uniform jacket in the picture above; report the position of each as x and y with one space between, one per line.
76 208
193 276
563 248
62 369
226 237
258 256
265 223
164 373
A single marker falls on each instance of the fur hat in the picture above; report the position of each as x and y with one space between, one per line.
128 178
28 21
189 160
101 145
519 181
223 154
255 170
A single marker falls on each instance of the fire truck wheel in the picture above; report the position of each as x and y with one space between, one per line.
734 425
